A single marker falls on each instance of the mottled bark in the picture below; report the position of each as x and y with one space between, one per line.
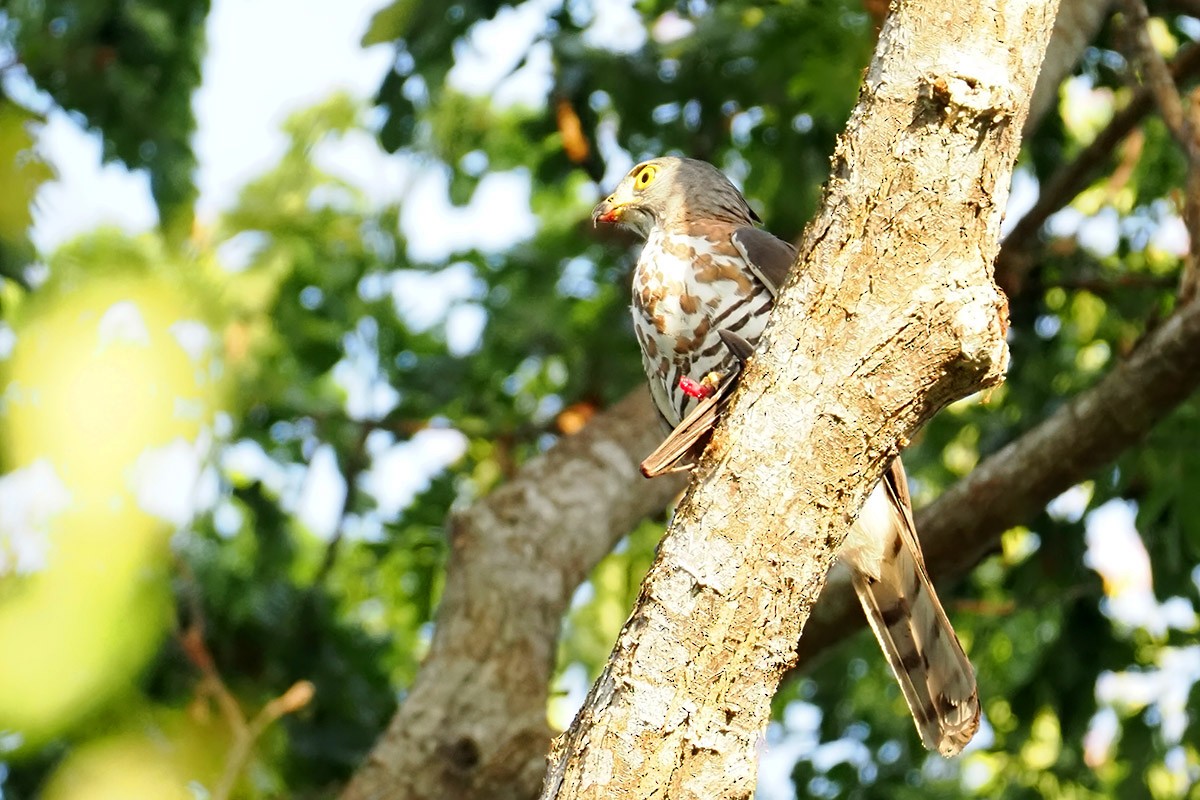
473 724
893 314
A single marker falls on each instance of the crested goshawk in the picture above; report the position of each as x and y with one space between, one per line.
703 288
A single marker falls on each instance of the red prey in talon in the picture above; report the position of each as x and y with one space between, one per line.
694 388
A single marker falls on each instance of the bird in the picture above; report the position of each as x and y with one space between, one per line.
703 288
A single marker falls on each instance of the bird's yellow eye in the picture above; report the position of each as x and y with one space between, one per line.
645 177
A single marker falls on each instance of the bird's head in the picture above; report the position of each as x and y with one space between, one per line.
669 192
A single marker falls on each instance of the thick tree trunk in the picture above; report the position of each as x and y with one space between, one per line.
893 315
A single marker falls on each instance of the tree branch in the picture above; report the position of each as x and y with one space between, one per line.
1182 120
1156 77
473 726
244 734
891 315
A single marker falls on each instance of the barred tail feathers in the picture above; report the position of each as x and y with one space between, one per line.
908 620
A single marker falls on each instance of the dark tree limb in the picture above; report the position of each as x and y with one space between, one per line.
1182 120
1156 76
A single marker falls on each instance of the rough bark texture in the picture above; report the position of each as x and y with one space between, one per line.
474 722
893 315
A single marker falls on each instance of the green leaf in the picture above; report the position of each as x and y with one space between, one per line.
391 22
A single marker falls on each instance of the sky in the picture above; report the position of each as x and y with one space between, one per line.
256 72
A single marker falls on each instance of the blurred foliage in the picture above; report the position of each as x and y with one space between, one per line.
127 68
22 172
269 424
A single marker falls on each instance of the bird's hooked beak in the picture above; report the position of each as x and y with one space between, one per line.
612 208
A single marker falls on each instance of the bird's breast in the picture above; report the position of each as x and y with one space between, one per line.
683 283
685 289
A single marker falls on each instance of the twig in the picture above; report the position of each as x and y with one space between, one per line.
1157 77
244 733
295 698
191 641
1183 121
1189 279
985 608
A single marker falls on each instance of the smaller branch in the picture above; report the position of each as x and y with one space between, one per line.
1188 279
1184 123
295 698
1157 77
395 422
245 734
1015 260
985 608
192 642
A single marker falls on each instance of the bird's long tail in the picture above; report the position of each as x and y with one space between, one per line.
908 620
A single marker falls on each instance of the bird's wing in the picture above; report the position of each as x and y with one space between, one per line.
769 257
683 445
